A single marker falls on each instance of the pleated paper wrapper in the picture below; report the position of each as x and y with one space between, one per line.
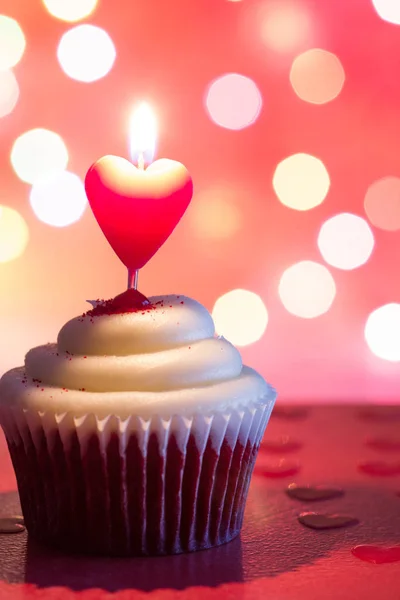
138 486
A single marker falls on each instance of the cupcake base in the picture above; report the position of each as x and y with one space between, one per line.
135 487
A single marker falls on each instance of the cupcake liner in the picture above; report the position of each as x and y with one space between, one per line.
139 486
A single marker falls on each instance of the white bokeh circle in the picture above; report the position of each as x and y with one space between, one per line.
38 154
240 316
86 53
70 10
307 289
59 200
233 101
382 332
346 241
301 181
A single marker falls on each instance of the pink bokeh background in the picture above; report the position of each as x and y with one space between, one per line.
168 53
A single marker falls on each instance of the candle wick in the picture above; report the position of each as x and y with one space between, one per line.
133 279
141 161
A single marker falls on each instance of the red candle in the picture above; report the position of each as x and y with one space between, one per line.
137 208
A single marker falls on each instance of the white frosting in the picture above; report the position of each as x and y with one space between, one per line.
201 363
178 322
162 360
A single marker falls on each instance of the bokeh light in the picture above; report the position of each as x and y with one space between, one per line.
285 25
317 76
12 42
233 101
70 10
86 53
38 154
14 234
346 241
214 214
301 181
9 92
286 114
59 200
382 203
240 316
307 289
388 10
382 332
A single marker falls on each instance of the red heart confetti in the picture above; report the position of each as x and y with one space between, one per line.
324 521
377 555
280 445
380 468
279 469
384 444
310 493
382 414
291 413
13 524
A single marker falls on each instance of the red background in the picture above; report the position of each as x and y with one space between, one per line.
168 53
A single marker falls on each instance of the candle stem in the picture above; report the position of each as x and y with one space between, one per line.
133 278
133 275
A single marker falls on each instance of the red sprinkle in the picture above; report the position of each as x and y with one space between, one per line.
129 301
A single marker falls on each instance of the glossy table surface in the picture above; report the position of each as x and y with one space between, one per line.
275 557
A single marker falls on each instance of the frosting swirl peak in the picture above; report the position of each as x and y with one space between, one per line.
166 345
157 357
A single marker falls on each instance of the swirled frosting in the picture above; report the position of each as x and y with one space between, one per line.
162 357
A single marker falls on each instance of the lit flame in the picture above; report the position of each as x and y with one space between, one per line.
143 135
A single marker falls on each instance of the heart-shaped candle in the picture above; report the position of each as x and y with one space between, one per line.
137 209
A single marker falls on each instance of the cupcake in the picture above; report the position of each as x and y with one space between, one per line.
137 432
